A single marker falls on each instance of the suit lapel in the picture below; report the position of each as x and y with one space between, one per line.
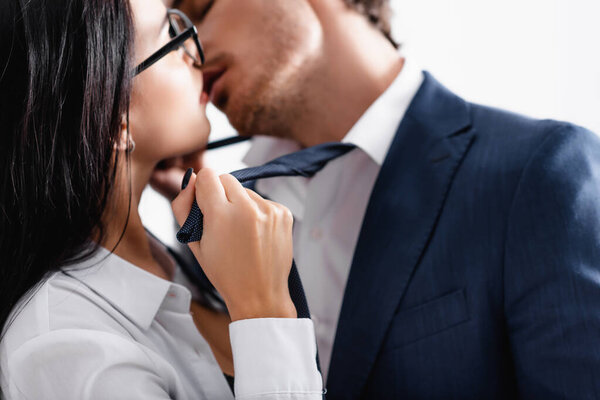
404 207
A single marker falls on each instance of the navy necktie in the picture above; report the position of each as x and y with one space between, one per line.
305 162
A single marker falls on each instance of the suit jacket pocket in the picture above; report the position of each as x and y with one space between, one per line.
428 319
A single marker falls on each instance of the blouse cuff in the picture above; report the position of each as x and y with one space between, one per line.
275 358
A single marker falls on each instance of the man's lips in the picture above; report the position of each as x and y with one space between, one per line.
211 76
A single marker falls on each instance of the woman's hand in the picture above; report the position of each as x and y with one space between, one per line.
246 248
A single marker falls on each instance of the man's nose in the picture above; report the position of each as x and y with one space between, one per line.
208 35
205 37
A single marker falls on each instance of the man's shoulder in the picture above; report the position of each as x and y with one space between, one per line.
503 141
507 149
507 143
508 130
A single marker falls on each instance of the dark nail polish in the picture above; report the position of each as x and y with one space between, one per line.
186 178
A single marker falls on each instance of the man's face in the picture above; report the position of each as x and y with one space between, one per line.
261 55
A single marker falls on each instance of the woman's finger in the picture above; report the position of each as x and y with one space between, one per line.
253 195
284 213
257 198
210 193
182 204
268 206
262 204
234 190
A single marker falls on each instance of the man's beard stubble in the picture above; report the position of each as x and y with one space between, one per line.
276 104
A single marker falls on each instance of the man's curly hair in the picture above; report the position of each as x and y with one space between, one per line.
378 12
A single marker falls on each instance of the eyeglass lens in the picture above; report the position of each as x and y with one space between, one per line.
179 25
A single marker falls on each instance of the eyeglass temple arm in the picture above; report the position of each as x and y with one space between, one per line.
165 49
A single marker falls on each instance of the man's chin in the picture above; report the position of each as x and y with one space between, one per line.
238 119
248 119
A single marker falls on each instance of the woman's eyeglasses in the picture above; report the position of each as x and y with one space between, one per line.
183 35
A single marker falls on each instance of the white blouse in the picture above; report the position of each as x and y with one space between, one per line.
106 329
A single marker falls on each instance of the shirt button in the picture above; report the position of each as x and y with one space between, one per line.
316 233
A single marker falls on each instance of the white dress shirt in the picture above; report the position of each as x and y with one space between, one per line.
329 207
108 330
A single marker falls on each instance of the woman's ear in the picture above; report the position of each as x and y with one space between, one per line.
124 143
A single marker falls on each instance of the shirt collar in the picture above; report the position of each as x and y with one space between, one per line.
266 148
373 133
136 293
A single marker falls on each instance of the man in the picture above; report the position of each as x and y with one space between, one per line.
455 253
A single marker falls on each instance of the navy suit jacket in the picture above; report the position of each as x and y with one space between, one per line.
477 270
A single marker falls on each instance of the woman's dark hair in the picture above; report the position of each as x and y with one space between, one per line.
64 87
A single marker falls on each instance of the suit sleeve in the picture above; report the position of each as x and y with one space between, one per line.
552 269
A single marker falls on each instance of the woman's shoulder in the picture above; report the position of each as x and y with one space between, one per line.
59 303
75 323
61 334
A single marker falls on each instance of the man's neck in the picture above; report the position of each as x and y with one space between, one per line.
358 66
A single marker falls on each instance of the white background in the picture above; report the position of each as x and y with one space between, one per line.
536 57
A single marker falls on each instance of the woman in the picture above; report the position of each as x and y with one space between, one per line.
93 95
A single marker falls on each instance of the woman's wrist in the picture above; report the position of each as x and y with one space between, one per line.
273 307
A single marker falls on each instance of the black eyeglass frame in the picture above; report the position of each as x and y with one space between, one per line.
174 43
